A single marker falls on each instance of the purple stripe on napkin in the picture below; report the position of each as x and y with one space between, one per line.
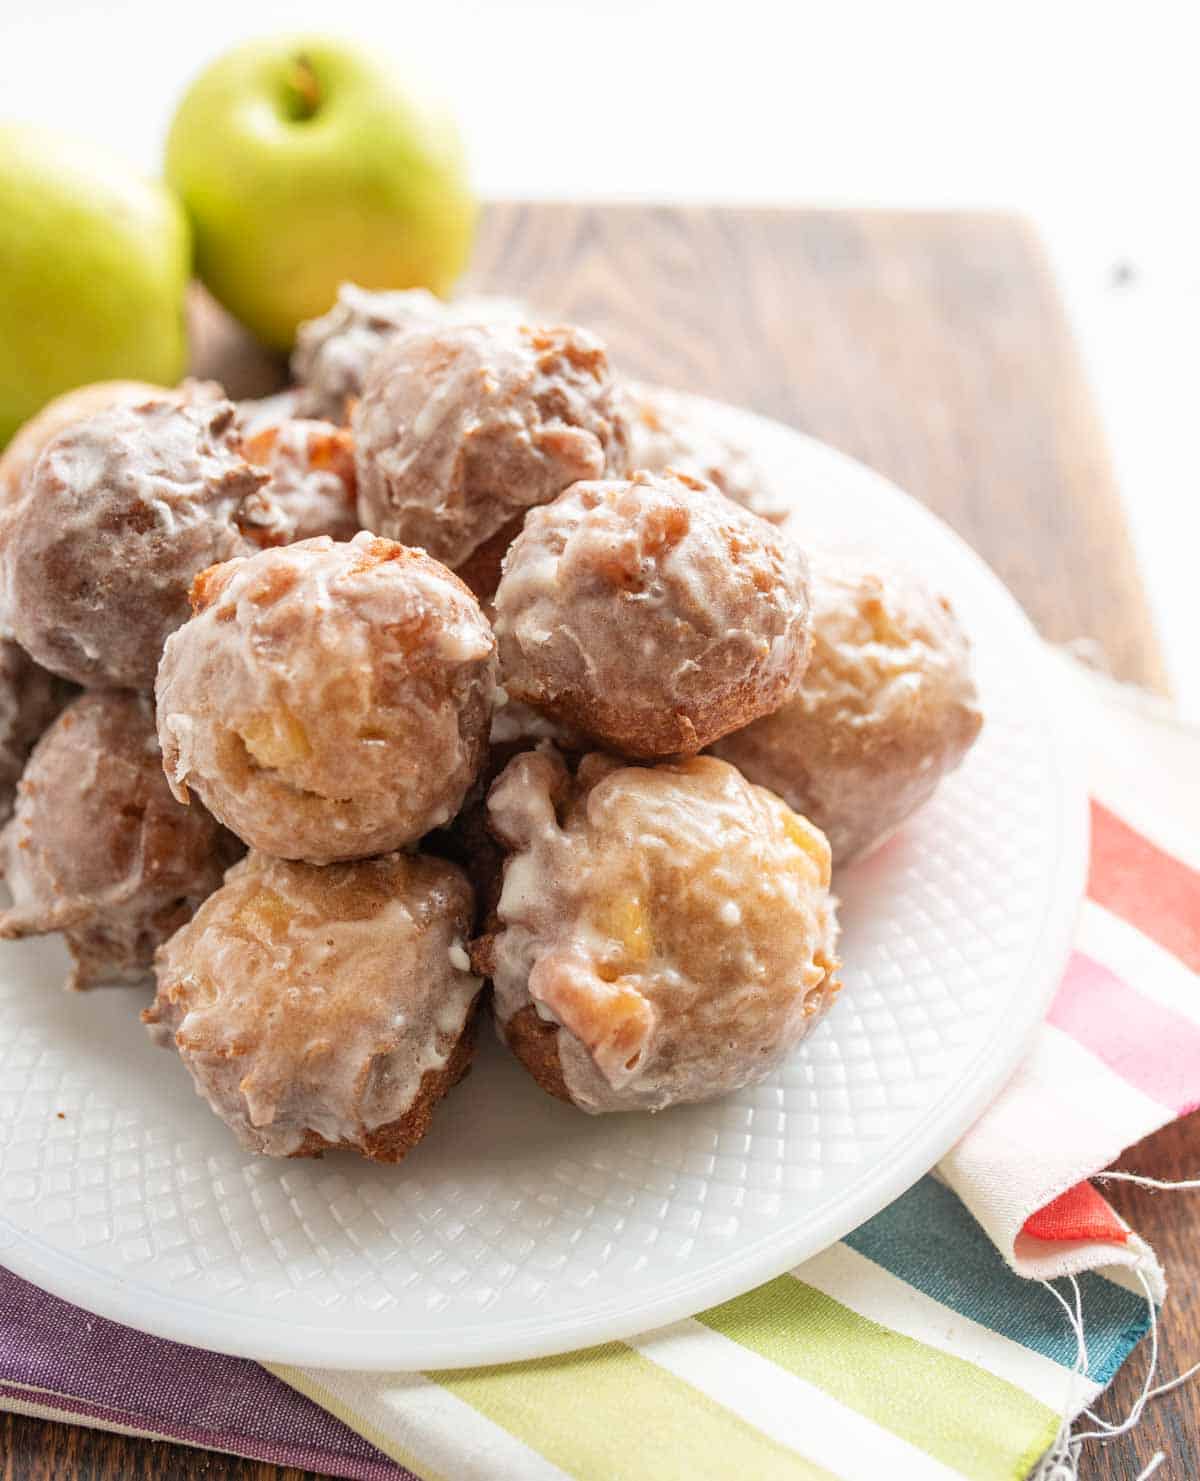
60 1357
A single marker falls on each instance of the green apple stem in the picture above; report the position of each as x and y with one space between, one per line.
303 91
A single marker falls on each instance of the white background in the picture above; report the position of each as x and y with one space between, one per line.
1086 116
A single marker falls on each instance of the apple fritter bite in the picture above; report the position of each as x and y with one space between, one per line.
653 615
256 413
323 1007
72 406
76 406
312 483
328 701
663 933
99 849
115 518
886 708
463 428
334 353
668 430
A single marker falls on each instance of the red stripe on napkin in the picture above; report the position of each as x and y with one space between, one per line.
1079 1213
1145 885
1152 1048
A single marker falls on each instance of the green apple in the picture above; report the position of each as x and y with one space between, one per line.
307 162
94 261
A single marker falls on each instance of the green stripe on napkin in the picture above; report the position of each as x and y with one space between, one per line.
564 1409
929 1398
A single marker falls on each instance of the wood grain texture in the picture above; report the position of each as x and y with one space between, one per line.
1168 1220
932 347
33 1450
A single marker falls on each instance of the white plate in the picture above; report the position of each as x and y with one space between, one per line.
521 1227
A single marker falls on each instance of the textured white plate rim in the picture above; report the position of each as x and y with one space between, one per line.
541 1335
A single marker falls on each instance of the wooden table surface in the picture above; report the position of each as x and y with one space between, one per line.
932 347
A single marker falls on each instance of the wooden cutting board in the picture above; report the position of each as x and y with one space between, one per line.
934 348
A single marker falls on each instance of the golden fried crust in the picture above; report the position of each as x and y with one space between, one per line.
73 406
535 1043
669 430
334 353
313 486
647 734
393 1142
663 935
114 520
98 848
320 1006
885 709
654 615
329 701
461 428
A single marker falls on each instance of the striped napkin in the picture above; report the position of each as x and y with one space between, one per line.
926 1344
